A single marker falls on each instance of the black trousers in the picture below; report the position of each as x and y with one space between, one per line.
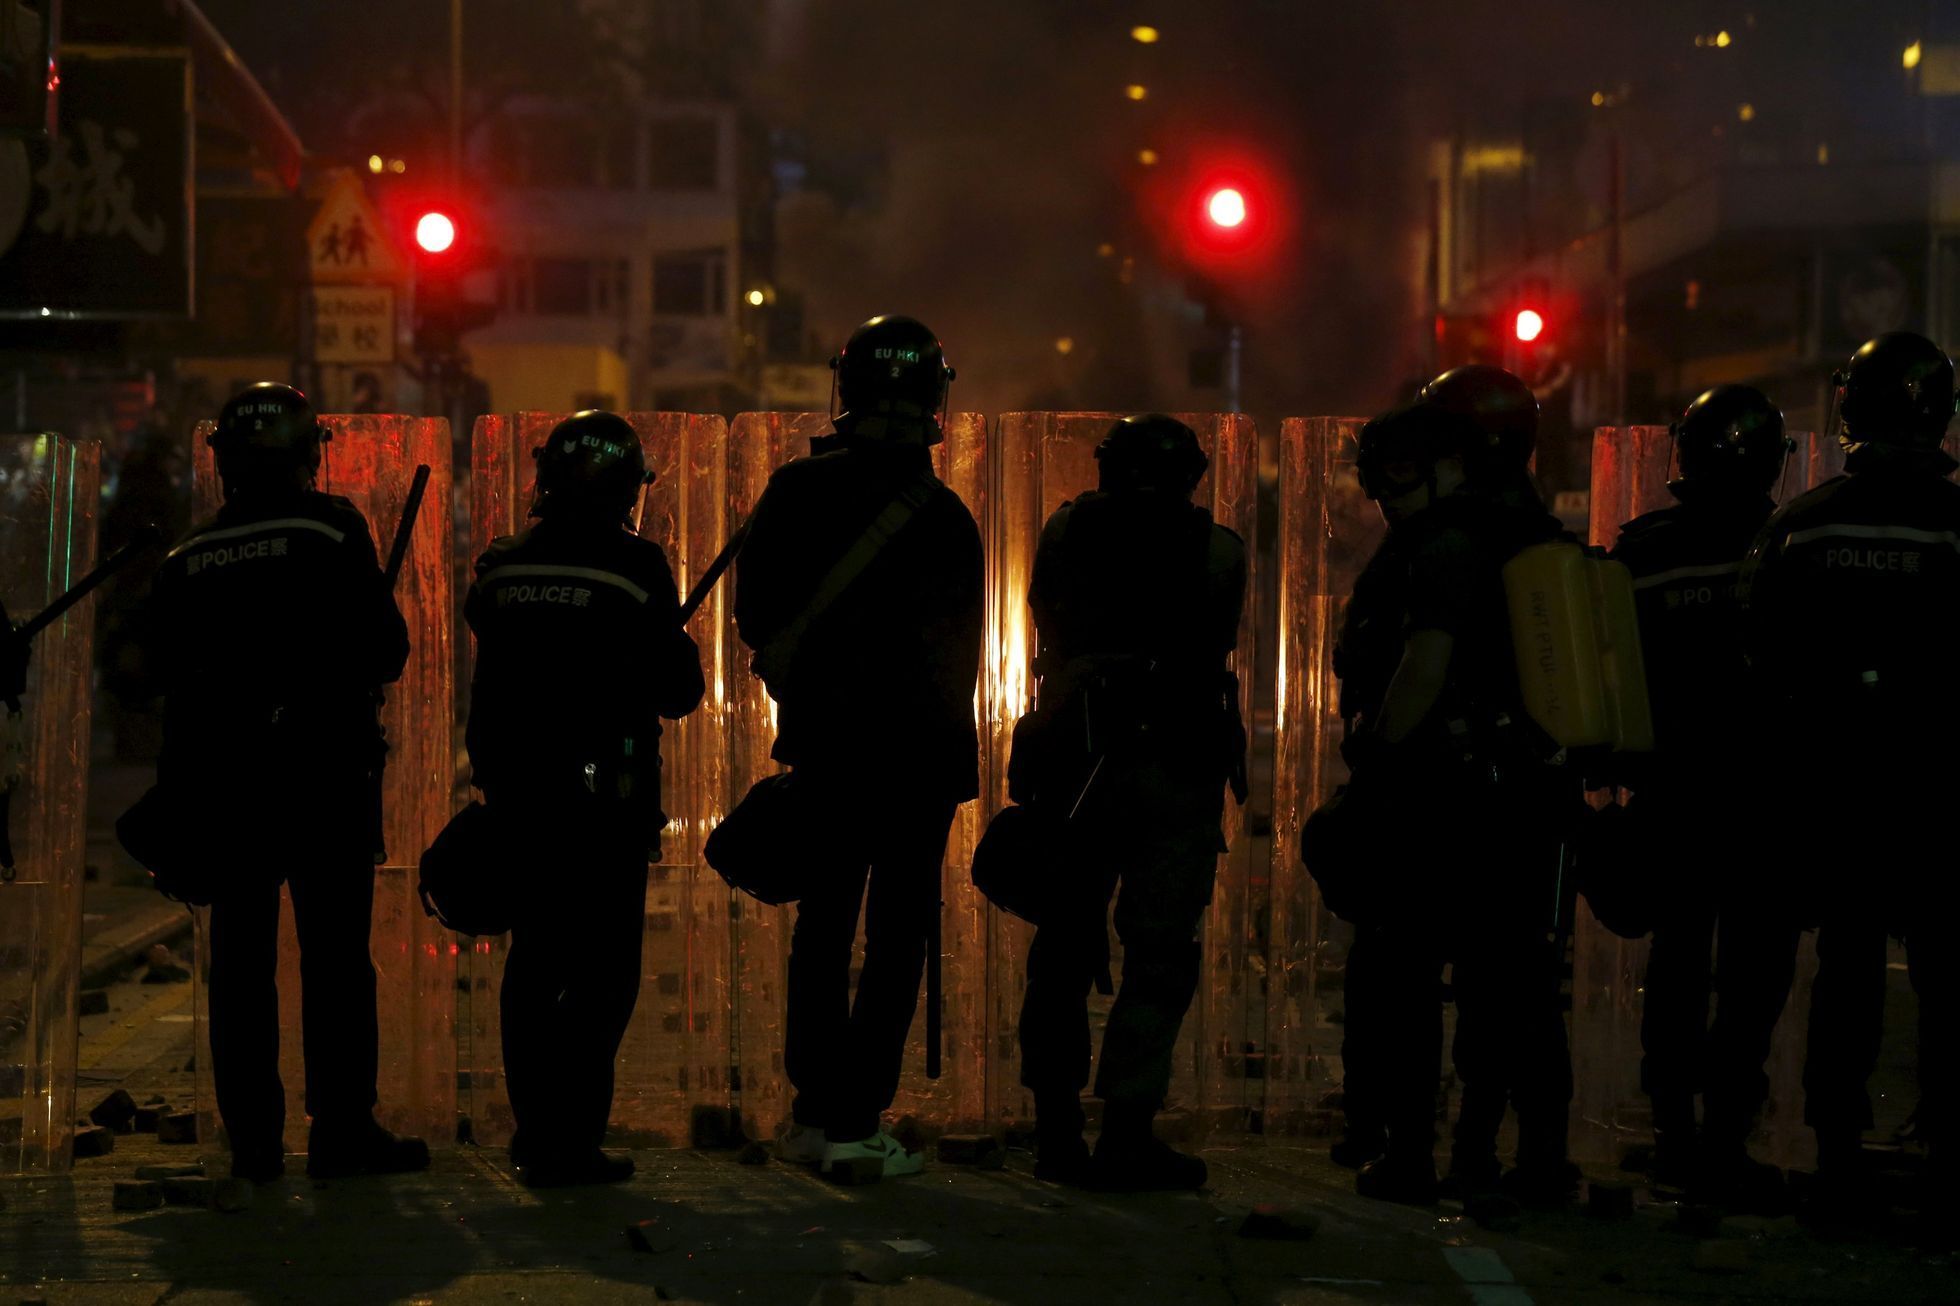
1510 1046
1474 876
332 911
843 1055
1392 1041
1753 962
570 984
1847 1026
1155 846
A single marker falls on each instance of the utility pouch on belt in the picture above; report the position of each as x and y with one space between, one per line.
1580 671
469 875
764 846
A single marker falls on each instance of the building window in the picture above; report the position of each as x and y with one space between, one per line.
690 284
562 286
566 287
684 154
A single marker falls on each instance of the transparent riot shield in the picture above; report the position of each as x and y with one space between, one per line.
371 461
759 443
1041 461
48 491
678 1056
1328 530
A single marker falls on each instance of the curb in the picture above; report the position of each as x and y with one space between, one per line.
121 945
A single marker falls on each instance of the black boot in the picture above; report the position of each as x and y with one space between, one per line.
341 1150
1543 1175
1407 1177
1131 1159
1844 1196
1358 1144
1474 1167
1675 1144
260 1164
1728 1177
1060 1154
575 1170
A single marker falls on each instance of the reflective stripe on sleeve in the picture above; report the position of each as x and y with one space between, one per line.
254 528
1852 531
594 574
1688 573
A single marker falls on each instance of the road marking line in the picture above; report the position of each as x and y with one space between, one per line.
101 1047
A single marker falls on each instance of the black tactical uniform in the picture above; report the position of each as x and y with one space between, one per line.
571 751
1707 871
274 632
1137 595
1467 814
875 714
1848 596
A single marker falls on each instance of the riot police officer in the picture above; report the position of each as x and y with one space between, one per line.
1706 871
275 630
1842 598
1136 596
570 751
1496 426
1456 810
859 587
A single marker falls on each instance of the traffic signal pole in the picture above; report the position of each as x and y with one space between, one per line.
1234 347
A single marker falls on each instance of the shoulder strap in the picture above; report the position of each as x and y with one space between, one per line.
773 659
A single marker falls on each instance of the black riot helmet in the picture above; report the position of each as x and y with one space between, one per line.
1502 413
891 382
1730 439
590 464
1151 451
1897 390
1399 450
268 437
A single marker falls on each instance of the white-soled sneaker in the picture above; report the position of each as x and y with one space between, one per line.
870 1159
801 1144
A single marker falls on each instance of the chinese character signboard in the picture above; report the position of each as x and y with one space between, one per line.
353 324
105 229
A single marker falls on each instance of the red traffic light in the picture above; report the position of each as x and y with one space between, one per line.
435 232
1529 326
1225 207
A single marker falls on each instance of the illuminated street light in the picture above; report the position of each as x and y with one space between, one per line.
435 232
1746 112
756 298
1065 346
376 163
1147 157
1721 40
1136 90
1912 56
1530 325
1143 34
1225 207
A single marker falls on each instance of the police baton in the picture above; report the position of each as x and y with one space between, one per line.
703 587
398 551
397 559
